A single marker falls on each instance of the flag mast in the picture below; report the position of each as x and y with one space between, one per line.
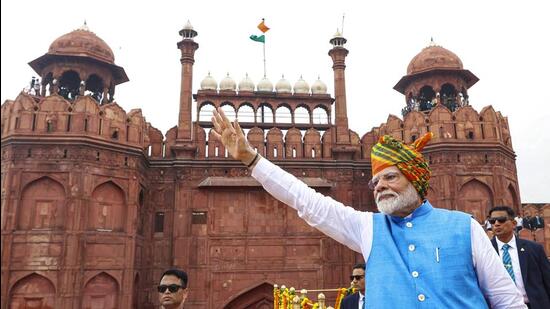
263 28
265 73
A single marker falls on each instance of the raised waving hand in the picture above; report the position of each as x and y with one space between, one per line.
232 137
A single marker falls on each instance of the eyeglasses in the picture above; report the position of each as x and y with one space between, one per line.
499 219
356 277
388 178
173 288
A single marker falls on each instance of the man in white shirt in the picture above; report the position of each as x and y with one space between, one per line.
519 224
412 263
524 260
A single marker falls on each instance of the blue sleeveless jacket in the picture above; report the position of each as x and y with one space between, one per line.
423 261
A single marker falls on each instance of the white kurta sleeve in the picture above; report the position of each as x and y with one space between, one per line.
344 224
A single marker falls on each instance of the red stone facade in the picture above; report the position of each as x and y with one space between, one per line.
97 203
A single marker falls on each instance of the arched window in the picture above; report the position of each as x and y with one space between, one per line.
206 111
320 116
100 292
283 115
448 96
426 95
94 88
246 113
264 113
107 209
229 111
69 85
33 291
301 115
42 205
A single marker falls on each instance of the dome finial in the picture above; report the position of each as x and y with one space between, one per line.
84 26
432 43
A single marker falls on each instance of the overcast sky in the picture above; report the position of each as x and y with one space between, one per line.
504 43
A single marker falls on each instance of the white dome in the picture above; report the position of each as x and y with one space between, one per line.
301 86
246 84
283 86
209 83
265 85
228 83
318 87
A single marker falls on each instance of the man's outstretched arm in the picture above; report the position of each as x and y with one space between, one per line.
344 224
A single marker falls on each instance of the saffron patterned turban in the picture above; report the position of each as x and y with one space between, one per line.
408 159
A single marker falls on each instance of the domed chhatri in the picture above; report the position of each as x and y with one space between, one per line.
301 86
434 57
246 84
227 83
265 85
78 63
435 60
209 83
283 86
319 87
83 43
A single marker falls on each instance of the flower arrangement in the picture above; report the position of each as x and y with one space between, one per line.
283 298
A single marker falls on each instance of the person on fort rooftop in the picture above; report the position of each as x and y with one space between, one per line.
415 254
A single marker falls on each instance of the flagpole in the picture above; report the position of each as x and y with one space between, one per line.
264 62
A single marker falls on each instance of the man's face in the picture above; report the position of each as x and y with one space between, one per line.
503 230
169 299
358 281
393 192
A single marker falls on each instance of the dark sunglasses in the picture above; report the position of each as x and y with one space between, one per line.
499 219
173 288
356 277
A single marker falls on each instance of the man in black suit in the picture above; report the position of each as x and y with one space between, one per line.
356 300
537 222
524 260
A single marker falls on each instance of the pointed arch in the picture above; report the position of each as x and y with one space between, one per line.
42 205
511 198
320 115
293 143
256 139
274 141
265 113
206 110
108 208
283 113
32 291
302 114
101 291
229 110
476 198
258 296
246 112
312 144
69 84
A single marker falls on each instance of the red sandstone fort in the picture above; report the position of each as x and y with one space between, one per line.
97 202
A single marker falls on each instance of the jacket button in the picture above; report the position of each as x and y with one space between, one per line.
415 275
421 297
409 224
